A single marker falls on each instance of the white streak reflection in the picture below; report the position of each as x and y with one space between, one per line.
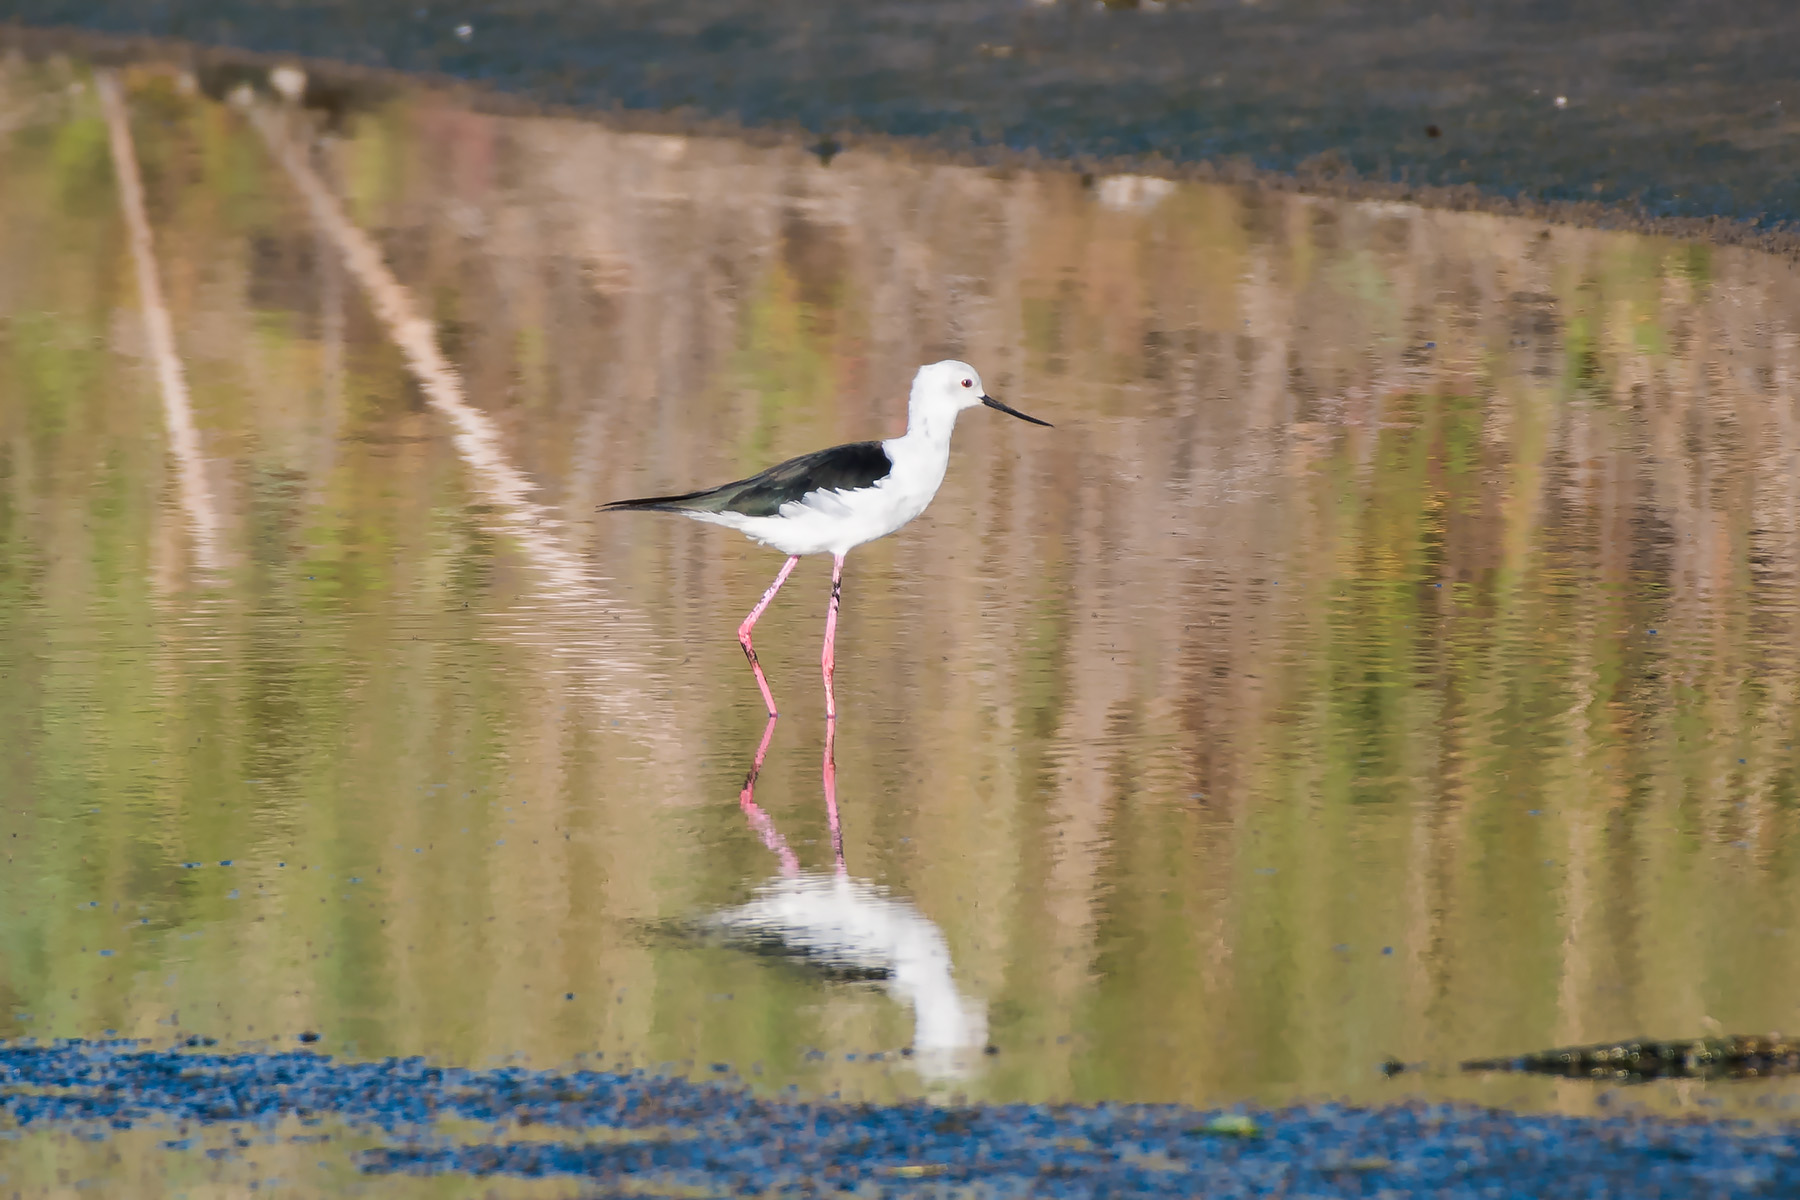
844 926
850 926
477 438
582 622
178 415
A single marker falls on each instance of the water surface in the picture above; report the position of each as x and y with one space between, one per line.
1392 652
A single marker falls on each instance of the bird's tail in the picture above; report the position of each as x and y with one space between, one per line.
702 501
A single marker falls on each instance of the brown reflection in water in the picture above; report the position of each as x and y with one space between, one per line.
1391 652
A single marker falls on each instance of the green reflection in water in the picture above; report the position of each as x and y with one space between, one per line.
1392 652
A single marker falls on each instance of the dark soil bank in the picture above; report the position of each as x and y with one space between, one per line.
1672 108
712 1139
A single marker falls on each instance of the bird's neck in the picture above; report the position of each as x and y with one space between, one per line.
924 449
921 456
930 425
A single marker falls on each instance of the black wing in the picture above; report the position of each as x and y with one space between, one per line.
857 465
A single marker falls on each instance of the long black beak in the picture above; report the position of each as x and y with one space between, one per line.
1013 412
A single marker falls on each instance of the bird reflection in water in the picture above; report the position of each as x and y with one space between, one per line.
851 928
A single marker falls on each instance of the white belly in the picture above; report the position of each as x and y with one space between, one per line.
832 522
828 522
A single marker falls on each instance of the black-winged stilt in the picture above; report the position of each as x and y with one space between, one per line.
833 500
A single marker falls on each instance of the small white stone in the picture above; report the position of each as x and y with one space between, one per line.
1562 102
289 83
465 32
1129 193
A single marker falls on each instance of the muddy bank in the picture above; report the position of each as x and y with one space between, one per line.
668 1133
1667 114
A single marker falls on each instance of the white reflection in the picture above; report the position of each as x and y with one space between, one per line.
581 622
845 926
850 926
159 332
1132 193
476 437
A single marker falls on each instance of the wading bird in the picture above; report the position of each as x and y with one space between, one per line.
830 501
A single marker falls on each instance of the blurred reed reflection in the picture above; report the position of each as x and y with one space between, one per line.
1392 651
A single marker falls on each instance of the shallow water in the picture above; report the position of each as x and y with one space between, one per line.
1390 653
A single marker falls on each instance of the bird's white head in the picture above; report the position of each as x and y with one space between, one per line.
942 390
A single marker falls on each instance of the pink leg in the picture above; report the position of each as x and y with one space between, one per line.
750 623
829 661
831 804
759 820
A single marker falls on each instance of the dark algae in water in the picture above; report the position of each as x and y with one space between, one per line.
663 1134
1733 1057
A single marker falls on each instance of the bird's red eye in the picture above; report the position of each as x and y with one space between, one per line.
968 383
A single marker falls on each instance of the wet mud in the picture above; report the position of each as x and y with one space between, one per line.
1668 114
663 1135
